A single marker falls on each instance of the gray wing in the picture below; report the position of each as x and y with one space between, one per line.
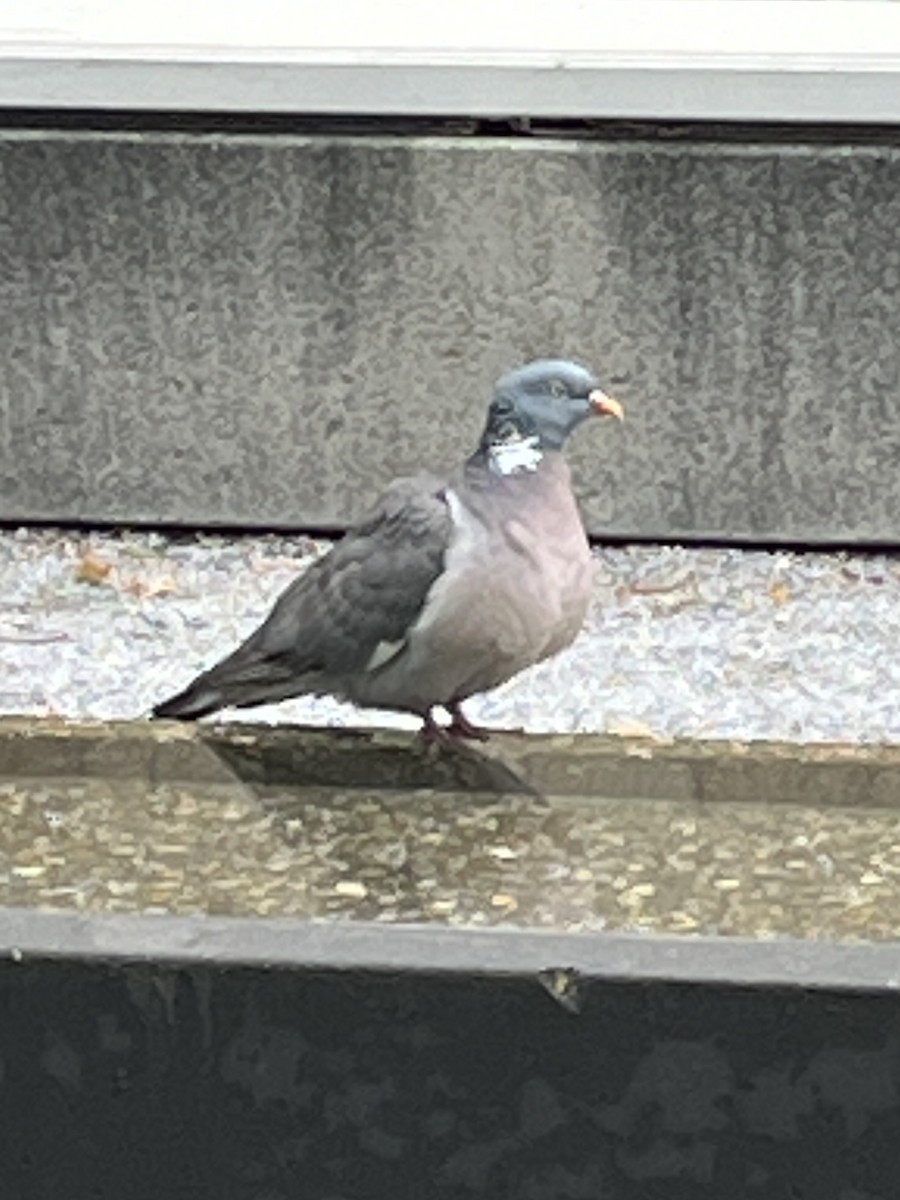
330 621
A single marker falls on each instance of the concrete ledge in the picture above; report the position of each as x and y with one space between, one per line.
195 1054
151 1077
585 834
548 958
581 766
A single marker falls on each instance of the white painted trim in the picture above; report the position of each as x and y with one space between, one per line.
827 60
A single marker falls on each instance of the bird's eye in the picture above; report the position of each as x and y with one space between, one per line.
558 389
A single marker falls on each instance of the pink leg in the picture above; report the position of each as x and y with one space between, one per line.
433 734
461 727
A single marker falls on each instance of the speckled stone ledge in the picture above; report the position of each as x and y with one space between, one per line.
564 834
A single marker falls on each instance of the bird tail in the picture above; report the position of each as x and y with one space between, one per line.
197 700
245 678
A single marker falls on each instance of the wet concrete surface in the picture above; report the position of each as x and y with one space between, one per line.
565 834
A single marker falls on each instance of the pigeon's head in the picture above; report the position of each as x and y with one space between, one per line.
542 403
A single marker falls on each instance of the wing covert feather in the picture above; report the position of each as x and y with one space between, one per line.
368 589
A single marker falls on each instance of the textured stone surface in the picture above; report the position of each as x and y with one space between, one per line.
208 329
559 834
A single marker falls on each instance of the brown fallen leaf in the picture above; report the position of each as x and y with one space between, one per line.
779 592
144 589
92 569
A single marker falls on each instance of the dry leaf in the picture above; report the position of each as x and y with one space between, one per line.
780 593
355 889
145 589
503 853
92 569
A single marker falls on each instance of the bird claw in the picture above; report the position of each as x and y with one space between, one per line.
460 729
434 735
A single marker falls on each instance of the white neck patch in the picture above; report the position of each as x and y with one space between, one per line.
509 458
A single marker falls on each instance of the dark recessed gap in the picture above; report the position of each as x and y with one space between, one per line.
184 533
523 128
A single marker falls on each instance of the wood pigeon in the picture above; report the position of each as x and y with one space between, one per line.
449 587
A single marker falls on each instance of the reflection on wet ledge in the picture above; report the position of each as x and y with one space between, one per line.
561 833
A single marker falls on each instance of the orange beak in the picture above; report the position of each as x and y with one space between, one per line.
606 406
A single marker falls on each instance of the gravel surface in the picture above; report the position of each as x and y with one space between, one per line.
680 642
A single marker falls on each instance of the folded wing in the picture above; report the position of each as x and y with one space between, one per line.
350 611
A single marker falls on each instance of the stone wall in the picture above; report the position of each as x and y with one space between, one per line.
213 329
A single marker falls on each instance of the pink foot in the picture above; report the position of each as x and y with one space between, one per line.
433 734
461 727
